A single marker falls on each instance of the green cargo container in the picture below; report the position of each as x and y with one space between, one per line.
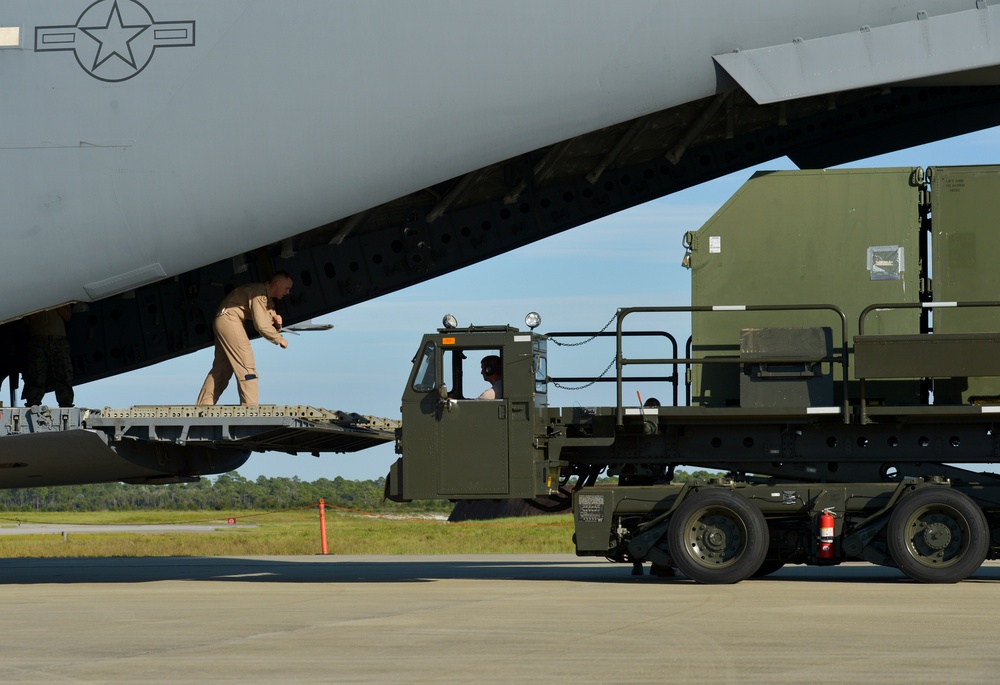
965 261
848 238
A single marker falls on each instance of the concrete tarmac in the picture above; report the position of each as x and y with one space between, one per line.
483 619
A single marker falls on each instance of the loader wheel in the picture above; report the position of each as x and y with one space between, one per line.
717 537
938 535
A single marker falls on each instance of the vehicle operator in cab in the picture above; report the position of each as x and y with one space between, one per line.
492 374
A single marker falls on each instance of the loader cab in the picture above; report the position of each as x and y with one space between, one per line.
454 445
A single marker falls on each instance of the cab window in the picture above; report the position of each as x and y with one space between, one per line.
540 366
424 378
462 371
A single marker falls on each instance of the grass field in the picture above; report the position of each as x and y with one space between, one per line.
290 532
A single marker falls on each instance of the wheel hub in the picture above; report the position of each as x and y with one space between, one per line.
716 537
937 536
713 540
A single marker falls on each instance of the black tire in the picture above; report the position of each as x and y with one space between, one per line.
717 537
938 535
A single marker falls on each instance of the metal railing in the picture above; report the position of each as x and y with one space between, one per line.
908 305
621 361
917 305
673 378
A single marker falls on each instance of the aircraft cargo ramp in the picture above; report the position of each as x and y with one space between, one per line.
265 428
42 446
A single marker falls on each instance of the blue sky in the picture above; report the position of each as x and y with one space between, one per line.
575 280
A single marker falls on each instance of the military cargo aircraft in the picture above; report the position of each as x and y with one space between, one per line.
155 154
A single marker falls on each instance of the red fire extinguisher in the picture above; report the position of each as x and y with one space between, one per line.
826 534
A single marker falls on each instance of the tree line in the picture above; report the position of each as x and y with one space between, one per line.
227 492
233 492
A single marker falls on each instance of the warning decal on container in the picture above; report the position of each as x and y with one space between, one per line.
885 262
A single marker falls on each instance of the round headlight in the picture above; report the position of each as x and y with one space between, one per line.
449 321
532 320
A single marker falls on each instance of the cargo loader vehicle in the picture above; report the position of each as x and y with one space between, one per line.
842 372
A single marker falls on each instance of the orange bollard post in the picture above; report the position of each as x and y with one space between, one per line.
322 523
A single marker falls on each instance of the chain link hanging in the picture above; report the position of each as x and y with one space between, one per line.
581 387
584 342
590 339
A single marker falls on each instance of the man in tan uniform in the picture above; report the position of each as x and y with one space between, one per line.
48 356
233 354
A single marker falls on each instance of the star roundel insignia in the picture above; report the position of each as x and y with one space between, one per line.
114 40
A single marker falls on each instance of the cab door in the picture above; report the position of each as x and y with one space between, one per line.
473 448
454 448
472 433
